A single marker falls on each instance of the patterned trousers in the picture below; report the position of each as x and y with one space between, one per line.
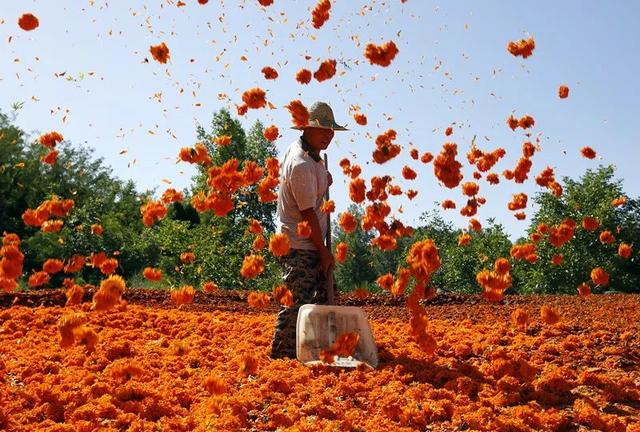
307 282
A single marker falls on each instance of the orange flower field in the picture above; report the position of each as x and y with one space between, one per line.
205 366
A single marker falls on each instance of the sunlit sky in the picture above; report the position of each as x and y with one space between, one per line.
83 73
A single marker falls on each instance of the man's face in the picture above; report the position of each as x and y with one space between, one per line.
319 138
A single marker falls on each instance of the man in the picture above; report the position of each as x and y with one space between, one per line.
303 183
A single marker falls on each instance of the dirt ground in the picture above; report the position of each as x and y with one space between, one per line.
205 366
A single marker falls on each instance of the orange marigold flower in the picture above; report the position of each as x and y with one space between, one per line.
28 22
408 173
271 133
152 274
242 109
344 346
67 324
590 223
96 229
385 281
502 266
588 152
361 293
109 266
52 225
328 206
625 250
518 202
303 76
519 318
326 70
187 257
269 73
248 364
357 190
557 260
279 244
549 315
526 122
470 188
299 114
183 295
448 131
361 119
160 52
386 149
584 290
446 167
209 287
51 157
599 276
426 157
411 193
448 204
464 239
265 2
254 98
423 259
381 55
523 47
215 385
303 229
414 153
258 300
563 92
512 122
475 225
259 242
320 13
152 212
606 237
74 264
109 294
282 295
348 222
493 178
255 227
617 202
222 140
171 195
74 294
38 278
341 252
50 139
52 266
96 259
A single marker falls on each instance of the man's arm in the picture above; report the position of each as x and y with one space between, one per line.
326 257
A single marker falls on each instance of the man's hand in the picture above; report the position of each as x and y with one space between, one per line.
327 261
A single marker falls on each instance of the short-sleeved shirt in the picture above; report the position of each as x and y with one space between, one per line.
303 183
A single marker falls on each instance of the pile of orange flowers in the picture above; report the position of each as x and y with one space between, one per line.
455 366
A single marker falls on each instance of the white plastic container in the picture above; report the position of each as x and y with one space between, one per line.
319 326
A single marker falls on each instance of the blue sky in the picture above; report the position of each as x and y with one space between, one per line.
452 69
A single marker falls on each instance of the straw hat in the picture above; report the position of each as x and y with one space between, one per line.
321 116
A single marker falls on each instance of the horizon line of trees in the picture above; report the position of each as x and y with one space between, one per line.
220 243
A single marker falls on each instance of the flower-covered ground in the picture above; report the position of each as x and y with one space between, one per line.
205 366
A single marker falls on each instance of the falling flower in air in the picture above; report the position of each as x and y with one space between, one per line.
51 157
152 274
50 139
269 73
616 202
381 55
271 133
303 229
625 250
563 92
209 287
279 244
252 266
320 14
222 140
160 52
341 252
584 290
549 315
265 2
303 76
590 223
588 152
360 118
258 300
599 276
254 98
326 70
446 167
187 257
348 222
28 22
523 47
109 294
183 295
299 114
520 318
52 266
328 206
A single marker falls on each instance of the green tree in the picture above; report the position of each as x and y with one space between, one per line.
591 195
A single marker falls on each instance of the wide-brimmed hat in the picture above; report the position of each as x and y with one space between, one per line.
321 116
